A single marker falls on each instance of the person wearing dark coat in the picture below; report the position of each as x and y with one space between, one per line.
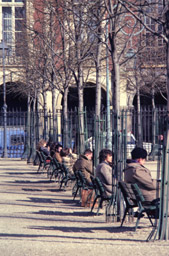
56 153
85 165
42 147
136 172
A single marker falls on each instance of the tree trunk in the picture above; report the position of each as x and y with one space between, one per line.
98 102
45 133
115 72
163 221
153 119
140 140
108 132
98 84
116 145
31 157
65 119
54 92
81 113
27 141
81 101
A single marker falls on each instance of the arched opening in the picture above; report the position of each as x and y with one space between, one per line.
14 100
146 99
89 97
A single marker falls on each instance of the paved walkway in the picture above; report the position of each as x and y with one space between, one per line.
36 219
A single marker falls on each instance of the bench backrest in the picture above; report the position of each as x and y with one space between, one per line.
128 193
138 194
99 186
39 156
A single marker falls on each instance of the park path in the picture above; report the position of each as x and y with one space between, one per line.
37 219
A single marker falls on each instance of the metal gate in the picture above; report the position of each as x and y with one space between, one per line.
15 133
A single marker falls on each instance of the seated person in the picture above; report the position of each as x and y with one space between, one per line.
85 165
135 172
56 154
104 170
42 146
52 149
68 158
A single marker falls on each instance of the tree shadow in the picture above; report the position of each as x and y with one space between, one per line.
80 229
30 182
31 190
73 213
74 239
39 200
21 173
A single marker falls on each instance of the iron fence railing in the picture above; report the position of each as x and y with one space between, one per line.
123 129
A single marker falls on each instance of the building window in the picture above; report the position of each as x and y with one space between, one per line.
7 24
19 28
13 24
154 10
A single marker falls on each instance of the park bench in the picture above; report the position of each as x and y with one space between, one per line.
133 197
54 170
81 186
151 209
66 176
129 199
78 185
100 194
44 161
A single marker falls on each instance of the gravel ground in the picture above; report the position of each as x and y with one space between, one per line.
37 219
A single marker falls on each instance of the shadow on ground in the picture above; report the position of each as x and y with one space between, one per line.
74 239
61 213
84 229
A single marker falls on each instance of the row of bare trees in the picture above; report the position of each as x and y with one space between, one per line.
68 43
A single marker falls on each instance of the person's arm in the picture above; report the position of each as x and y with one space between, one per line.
88 165
45 151
106 172
145 179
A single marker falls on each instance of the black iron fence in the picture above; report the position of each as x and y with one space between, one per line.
16 133
25 129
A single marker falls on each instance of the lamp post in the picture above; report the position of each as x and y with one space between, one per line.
3 52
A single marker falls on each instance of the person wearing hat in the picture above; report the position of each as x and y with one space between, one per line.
136 172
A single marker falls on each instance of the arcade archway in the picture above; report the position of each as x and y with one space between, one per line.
14 99
89 97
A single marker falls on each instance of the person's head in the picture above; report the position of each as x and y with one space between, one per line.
139 154
49 143
105 155
41 143
52 147
58 147
64 152
88 153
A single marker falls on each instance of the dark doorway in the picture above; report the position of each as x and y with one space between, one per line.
89 97
146 100
14 99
